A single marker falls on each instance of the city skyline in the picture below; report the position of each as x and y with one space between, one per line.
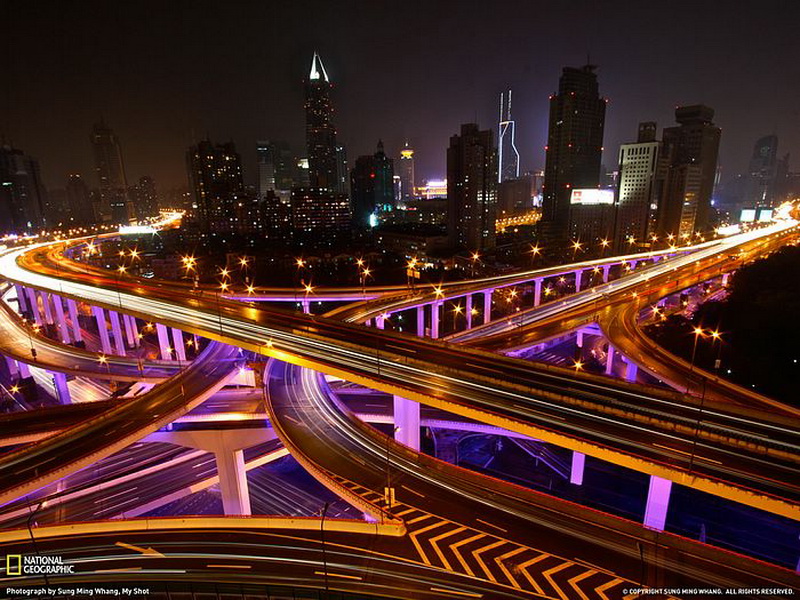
415 89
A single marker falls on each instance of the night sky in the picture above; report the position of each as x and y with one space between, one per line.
164 74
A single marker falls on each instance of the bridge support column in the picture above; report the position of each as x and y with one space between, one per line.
62 389
233 482
48 312
631 370
100 317
406 422
22 303
537 291
725 278
13 367
606 272
633 264
610 360
163 341
468 310
72 307
578 273
24 370
33 302
435 319
576 472
579 338
421 321
131 332
61 319
177 342
487 306
307 306
380 322
655 512
116 329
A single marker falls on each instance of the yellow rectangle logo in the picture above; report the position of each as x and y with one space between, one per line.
13 564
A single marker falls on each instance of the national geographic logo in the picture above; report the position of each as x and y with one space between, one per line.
23 564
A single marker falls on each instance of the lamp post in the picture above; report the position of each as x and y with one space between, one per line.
29 524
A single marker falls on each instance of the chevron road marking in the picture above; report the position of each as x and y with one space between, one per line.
524 568
547 575
434 541
499 560
460 558
580 577
606 586
477 555
419 532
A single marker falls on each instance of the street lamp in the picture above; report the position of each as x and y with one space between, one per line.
29 523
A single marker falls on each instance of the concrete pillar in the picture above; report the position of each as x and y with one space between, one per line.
61 320
435 319
22 303
487 306
655 512
406 422
100 317
537 291
48 311
468 310
72 307
610 360
421 321
631 370
307 306
233 482
13 367
177 341
24 370
576 472
62 389
163 341
380 321
131 332
116 329
725 279
578 273
34 305
579 338
633 264
606 271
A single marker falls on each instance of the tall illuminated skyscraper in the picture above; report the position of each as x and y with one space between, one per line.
110 168
326 158
406 172
508 156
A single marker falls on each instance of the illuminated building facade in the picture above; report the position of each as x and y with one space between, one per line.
22 194
215 177
591 215
275 164
406 168
319 216
507 154
372 186
145 197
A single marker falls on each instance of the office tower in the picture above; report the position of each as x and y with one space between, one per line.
112 182
319 217
471 189
79 202
515 196
508 156
22 194
406 172
762 178
342 173
691 151
146 197
275 167
372 186
574 146
215 176
641 177
591 215
326 159
276 215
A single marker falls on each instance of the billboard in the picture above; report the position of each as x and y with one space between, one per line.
592 196
765 215
748 215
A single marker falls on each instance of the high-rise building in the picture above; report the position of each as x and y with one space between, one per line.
22 195
215 177
79 202
641 178
326 159
110 169
471 188
276 215
574 146
372 186
275 167
146 197
406 172
763 172
507 154
690 150
319 217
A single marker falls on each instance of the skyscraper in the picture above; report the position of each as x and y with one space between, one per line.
22 194
760 189
319 217
691 150
215 177
372 186
406 168
641 177
471 189
110 168
574 146
146 197
275 167
79 202
326 159
508 156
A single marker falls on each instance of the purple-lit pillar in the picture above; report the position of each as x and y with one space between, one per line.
116 330
48 312
655 512
163 341
421 321
435 319
131 332
177 342
63 328
307 306
13 367
487 306
468 310
610 360
537 291
380 321
21 302
631 370
34 304
62 389
633 264
24 370
102 330
606 272
233 482
578 273
725 279
406 422
579 338
72 307
576 471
